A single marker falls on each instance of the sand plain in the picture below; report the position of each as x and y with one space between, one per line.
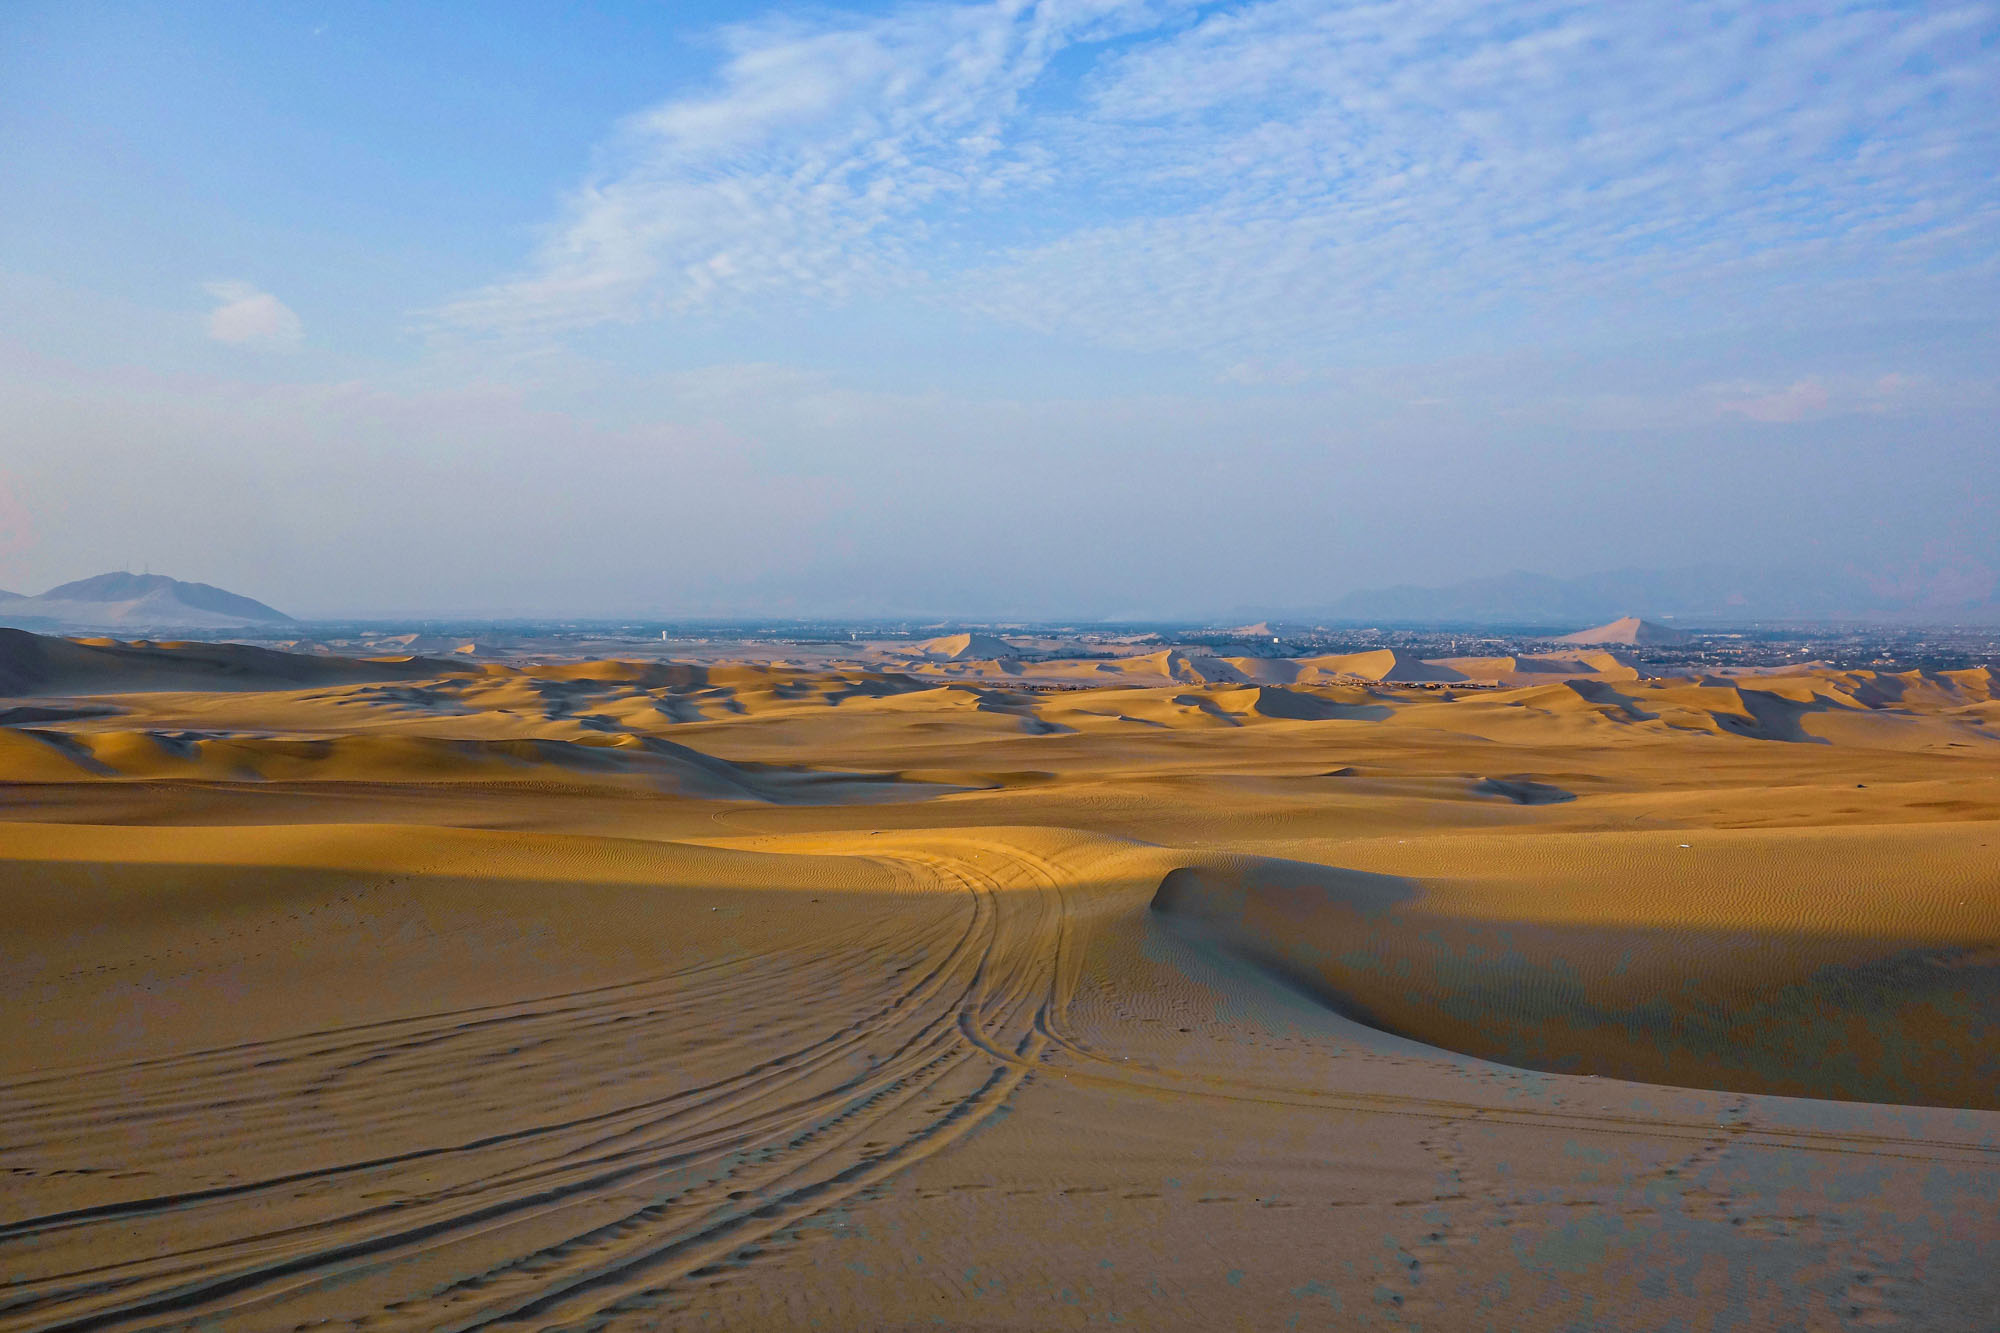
1170 992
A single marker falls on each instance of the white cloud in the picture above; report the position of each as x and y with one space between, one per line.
1282 180
806 172
1801 400
1817 397
1261 374
246 316
1335 171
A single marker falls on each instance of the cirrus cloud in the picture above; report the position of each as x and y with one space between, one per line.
1259 179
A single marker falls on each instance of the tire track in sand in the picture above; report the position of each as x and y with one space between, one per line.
568 1218
702 1117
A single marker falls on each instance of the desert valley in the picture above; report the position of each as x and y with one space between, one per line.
999 665
1167 989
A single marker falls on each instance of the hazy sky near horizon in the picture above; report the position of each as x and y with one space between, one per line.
1064 308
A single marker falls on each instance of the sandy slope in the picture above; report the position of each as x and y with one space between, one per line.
740 996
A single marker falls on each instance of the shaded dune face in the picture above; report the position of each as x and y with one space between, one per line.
1289 918
1524 791
1796 1012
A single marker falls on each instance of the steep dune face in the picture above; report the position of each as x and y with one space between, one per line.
1180 991
1814 986
1274 701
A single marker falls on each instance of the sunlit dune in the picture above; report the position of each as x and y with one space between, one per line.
1628 630
993 991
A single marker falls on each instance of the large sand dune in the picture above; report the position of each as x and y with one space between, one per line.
1627 630
1193 993
32 664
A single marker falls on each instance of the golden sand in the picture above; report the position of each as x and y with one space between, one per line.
1175 992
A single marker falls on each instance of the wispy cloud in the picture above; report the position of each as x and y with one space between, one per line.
1801 400
1816 397
245 315
1260 180
808 170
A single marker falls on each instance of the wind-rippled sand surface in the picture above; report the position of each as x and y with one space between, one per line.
398 995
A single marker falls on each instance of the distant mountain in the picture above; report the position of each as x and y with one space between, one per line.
137 601
1628 630
1715 593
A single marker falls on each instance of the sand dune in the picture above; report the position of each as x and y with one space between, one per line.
1171 990
1384 664
32 664
643 763
968 647
1529 668
1630 630
1814 985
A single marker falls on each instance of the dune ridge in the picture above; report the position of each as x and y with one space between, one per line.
34 664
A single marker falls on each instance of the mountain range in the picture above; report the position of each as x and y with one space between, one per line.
136 601
1714 593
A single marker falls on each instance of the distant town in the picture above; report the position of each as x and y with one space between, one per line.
1752 647
152 606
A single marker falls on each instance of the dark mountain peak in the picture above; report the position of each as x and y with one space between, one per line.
112 587
159 594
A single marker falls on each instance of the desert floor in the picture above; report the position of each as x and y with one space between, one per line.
420 996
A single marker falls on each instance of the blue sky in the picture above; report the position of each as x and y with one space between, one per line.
1092 308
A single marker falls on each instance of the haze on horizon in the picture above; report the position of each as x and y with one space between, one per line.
1031 309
